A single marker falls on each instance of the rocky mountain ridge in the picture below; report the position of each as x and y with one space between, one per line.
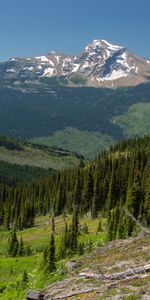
100 64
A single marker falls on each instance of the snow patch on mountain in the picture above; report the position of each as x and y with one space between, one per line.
111 46
42 58
29 68
58 57
75 68
48 72
115 74
51 63
39 67
12 70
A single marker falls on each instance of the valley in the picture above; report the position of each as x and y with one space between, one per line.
75 175
53 114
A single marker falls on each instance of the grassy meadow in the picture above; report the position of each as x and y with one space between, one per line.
37 238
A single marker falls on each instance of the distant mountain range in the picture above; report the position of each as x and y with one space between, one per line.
101 64
81 104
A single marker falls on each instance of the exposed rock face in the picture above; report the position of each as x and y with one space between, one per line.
100 64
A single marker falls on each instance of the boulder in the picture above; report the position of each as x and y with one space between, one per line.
70 265
34 295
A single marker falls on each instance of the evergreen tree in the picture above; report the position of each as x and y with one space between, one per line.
85 229
77 192
53 223
95 201
81 248
87 191
51 255
74 231
99 227
45 257
13 245
21 250
25 279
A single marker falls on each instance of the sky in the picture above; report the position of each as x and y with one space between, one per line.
36 27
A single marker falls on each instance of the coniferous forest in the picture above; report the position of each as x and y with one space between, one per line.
116 182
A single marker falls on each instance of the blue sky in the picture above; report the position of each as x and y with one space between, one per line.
34 27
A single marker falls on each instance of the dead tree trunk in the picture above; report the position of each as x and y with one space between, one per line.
144 229
118 276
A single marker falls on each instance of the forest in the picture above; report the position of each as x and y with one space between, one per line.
118 180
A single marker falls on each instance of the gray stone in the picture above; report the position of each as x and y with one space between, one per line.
34 295
70 265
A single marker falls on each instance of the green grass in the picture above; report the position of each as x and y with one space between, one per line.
136 122
85 143
37 237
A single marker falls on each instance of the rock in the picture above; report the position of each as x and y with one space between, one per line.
70 265
34 295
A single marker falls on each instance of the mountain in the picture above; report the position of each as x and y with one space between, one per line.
83 103
110 65
100 64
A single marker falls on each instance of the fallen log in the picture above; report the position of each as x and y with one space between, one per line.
117 276
75 293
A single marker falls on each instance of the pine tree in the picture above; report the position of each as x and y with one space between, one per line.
53 223
77 191
74 231
21 250
81 248
87 191
95 201
51 255
45 257
13 245
85 229
25 279
99 227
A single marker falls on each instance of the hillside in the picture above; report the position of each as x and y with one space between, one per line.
90 280
81 118
22 153
101 225
117 179
100 257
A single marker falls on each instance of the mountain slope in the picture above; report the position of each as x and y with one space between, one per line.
110 65
21 153
51 111
114 258
118 179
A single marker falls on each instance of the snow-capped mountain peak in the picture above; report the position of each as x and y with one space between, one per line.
100 63
103 44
